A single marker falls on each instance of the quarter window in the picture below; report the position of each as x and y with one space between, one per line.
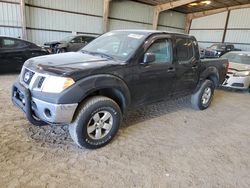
11 43
162 49
8 43
185 50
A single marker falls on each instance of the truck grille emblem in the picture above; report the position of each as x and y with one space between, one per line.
26 77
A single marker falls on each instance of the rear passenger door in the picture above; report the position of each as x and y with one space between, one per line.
187 66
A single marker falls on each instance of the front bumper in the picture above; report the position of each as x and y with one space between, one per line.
241 83
39 112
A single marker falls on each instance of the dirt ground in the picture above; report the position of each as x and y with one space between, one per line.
163 145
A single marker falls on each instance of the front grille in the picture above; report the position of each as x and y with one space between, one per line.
40 82
27 76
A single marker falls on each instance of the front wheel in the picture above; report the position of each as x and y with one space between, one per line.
60 50
202 98
96 123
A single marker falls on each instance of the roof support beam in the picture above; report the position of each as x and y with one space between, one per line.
192 16
23 19
188 23
106 4
226 25
216 11
167 6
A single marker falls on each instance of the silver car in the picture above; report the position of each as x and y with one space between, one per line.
238 76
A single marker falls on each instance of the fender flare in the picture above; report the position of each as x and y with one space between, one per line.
86 86
208 72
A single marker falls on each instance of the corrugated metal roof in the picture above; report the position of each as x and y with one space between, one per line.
215 4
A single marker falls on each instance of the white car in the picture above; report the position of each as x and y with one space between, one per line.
238 75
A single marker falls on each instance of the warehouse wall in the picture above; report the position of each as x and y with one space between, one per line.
238 30
210 29
133 15
49 20
10 23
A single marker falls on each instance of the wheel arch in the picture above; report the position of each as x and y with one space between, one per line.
106 85
211 73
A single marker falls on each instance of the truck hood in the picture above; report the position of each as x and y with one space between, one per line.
238 66
67 63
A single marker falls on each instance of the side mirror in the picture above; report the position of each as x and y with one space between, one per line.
73 41
148 58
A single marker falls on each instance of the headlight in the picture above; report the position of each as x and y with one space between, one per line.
242 73
54 84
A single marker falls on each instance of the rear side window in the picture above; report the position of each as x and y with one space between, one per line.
185 50
12 43
8 43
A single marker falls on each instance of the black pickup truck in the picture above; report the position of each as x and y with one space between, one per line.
90 90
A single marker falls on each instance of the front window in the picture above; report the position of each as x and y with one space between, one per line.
242 58
67 39
117 44
162 49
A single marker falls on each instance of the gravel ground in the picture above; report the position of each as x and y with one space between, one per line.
163 145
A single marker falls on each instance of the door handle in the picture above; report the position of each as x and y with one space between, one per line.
171 69
194 67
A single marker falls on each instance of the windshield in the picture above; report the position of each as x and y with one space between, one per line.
217 46
243 58
117 44
67 39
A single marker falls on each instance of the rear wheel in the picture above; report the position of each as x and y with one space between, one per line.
96 123
202 98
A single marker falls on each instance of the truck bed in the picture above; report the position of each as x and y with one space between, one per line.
220 64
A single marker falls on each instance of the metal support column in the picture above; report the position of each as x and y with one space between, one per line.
23 19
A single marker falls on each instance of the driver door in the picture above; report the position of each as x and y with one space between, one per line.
75 44
154 80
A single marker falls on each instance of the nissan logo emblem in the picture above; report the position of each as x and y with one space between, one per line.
26 77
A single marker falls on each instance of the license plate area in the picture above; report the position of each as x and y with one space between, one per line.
19 95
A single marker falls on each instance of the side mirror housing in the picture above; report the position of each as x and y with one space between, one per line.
148 58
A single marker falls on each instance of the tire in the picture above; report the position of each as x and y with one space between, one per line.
202 98
90 132
60 50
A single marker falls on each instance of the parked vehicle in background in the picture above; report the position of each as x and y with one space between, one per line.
202 52
90 89
219 49
238 76
69 44
14 52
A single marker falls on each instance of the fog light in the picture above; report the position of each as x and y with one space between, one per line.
23 101
47 113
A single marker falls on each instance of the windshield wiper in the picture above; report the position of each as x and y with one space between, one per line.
98 53
85 51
